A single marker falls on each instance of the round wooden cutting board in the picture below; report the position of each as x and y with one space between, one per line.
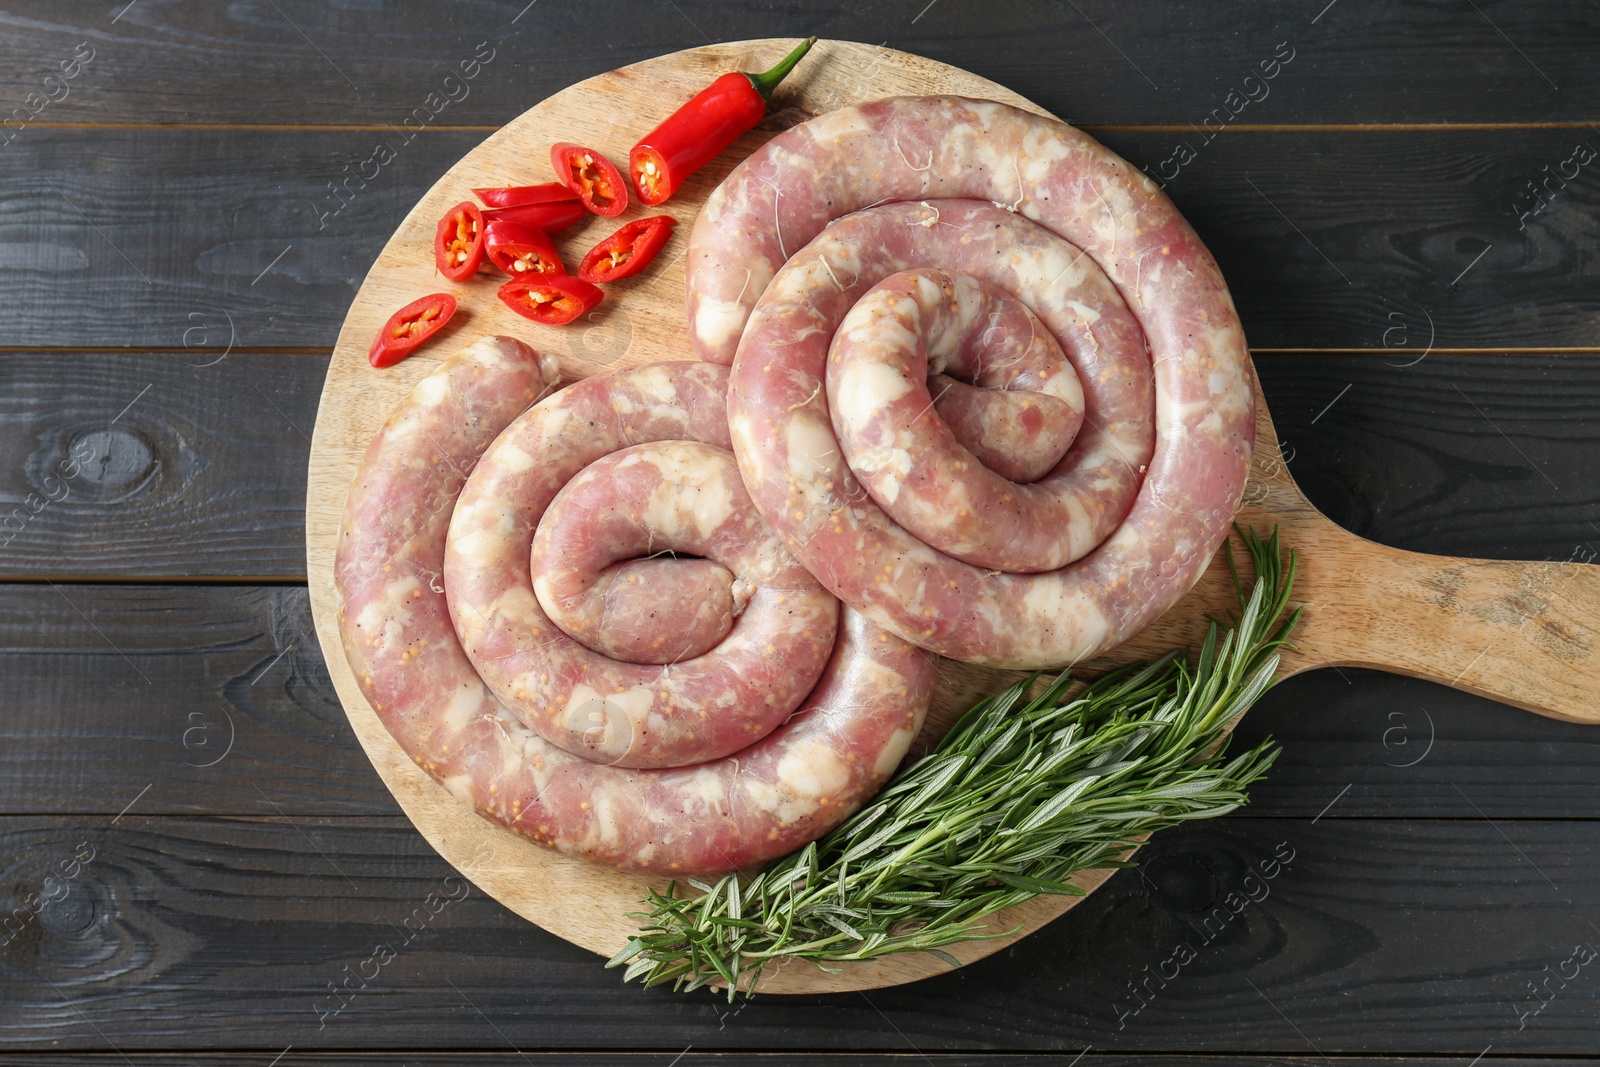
641 321
1409 628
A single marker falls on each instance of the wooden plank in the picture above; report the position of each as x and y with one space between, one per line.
1491 457
1358 240
114 689
141 695
208 236
1131 63
171 464
1360 743
172 698
212 647
204 475
119 692
1395 935
694 1057
1423 636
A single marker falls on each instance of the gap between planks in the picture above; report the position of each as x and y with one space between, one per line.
247 581
625 1054
1262 127
313 350
401 819
1345 127
169 350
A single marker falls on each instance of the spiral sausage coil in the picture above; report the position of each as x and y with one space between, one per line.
754 714
842 449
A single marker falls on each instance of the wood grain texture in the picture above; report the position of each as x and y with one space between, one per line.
1440 605
1407 471
1320 241
172 699
204 475
1387 935
756 1059
188 227
1409 61
86 733
171 464
184 225
1522 633
1387 745
1462 455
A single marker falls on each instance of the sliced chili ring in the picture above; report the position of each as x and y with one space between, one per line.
589 174
518 249
551 300
409 327
523 195
549 217
654 178
458 242
627 251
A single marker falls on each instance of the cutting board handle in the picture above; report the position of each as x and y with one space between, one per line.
1525 634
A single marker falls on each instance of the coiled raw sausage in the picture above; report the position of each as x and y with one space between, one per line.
754 292
775 795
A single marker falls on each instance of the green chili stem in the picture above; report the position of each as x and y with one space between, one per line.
766 82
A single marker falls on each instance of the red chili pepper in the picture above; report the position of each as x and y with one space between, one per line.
458 242
698 131
589 174
523 195
554 301
627 251
518 249
407 328
549 217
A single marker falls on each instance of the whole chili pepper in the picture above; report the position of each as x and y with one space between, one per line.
626 252
698 131
407 328
553 299
523 195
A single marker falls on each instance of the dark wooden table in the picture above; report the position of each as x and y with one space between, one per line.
194 852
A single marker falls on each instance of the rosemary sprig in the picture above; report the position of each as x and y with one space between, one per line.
1021 794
